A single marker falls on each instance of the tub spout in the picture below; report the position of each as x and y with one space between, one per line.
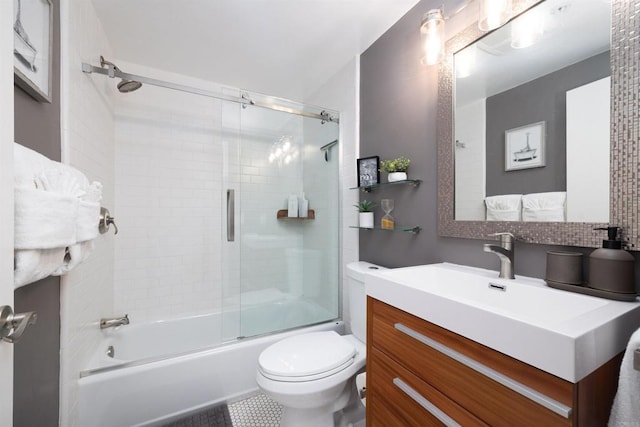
112 322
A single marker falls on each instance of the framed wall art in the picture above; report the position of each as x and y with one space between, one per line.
524 147
368 171
32 47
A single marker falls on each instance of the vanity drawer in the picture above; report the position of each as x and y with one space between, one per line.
398 334
396 397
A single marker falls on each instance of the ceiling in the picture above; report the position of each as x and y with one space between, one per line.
286 48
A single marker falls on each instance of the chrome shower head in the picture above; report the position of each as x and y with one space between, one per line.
125 85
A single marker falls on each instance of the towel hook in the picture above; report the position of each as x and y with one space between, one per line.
105 221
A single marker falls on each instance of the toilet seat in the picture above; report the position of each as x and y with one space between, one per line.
306 357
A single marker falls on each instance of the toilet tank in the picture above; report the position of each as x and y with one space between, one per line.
357 297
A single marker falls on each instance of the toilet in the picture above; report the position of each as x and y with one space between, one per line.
312 375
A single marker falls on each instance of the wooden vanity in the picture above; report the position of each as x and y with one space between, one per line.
419 374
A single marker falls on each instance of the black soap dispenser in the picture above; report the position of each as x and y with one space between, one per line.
611 268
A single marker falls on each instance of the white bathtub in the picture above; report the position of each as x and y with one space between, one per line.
158 373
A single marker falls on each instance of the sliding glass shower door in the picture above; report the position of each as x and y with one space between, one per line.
283 267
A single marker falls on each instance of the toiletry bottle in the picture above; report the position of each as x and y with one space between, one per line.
303 207
611 268
293 206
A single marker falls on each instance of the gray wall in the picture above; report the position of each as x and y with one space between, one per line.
543 99
398 102
37 354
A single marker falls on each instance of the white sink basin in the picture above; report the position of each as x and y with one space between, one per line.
566 334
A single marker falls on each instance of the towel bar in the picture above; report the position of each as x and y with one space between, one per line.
636 359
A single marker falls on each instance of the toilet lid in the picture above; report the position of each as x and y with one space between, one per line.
307 355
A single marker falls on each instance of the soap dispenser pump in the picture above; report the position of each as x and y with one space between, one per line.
611 268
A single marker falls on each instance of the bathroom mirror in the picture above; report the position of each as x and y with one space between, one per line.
507 113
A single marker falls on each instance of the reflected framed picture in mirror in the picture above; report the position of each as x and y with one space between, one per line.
524 147
368 171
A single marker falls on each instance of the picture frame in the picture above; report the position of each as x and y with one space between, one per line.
32 47
524 147
368 171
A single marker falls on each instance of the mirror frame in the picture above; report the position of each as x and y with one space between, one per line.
624 196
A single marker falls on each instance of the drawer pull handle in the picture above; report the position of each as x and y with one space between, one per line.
428 406
541 399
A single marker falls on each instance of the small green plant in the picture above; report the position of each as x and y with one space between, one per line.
365 206
401 164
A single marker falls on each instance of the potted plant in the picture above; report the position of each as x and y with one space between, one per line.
365 218
396 168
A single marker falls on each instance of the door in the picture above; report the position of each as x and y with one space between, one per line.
6 201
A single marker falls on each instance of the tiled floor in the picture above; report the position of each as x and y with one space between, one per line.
212 417
256 411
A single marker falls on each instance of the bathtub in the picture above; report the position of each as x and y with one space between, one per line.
156 375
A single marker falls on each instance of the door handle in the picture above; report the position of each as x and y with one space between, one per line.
13 325
231 211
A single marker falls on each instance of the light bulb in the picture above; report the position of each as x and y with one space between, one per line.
527 29
432 34
493 14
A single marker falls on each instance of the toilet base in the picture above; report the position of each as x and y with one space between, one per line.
320 416
317 417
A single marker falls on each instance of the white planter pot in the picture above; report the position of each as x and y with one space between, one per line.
365 219
397 176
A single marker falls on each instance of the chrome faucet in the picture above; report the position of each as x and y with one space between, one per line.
504 252
112 322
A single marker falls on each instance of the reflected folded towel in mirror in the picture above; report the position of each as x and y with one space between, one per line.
549 207
505 207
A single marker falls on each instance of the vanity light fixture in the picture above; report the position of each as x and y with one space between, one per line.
432 36
494 13
527 30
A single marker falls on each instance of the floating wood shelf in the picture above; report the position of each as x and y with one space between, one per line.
284 214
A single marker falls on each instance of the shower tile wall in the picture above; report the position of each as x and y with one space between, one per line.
87 144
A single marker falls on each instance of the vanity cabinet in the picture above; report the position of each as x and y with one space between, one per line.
420 374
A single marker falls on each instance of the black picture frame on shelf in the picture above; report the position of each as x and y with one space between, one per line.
368 171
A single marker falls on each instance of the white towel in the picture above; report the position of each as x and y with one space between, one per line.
44 220
626 405
33 265
27 164
86 229
56 216
505 207
548 207
74 256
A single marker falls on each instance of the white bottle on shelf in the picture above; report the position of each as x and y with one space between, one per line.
303 208
293 206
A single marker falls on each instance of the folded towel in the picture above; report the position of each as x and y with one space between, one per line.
61 180
544 206
626 405
504 207
44 220
73 256
27 164
32 265
56 216
87 221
